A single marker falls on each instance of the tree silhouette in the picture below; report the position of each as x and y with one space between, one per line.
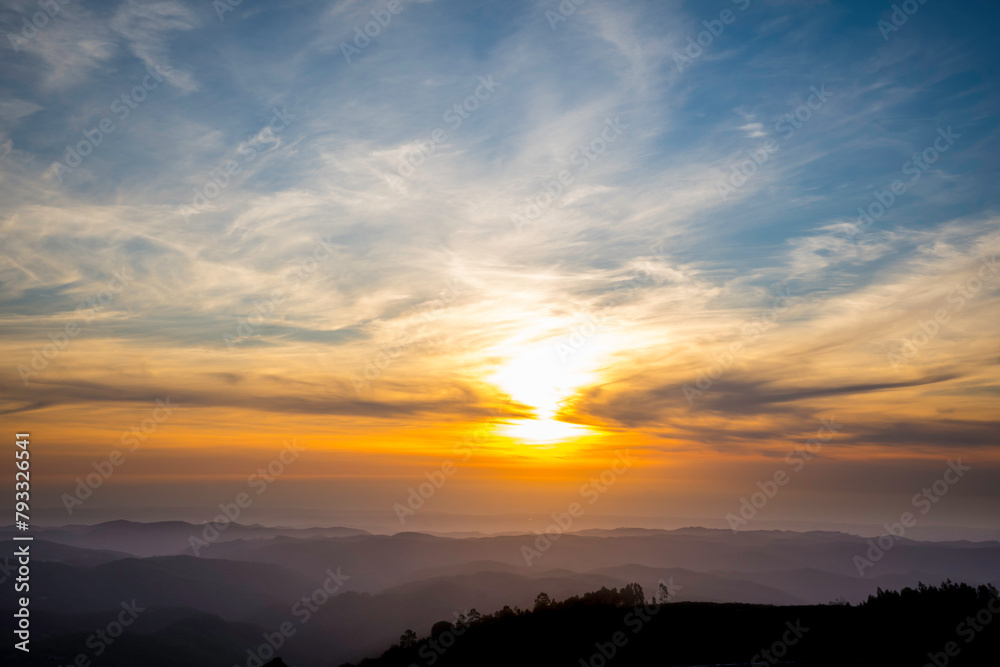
408 639
542 601
632 595
440 628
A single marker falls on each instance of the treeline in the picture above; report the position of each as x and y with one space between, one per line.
950 624
446 631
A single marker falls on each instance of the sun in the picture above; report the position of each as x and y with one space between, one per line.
543 378
544 431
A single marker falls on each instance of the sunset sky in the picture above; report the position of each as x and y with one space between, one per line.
497 221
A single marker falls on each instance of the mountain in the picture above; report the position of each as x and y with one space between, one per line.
375 562
409 581
232 590
166 538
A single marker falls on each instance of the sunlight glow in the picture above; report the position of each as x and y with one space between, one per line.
544 431
544 378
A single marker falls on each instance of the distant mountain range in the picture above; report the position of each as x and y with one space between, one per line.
253 579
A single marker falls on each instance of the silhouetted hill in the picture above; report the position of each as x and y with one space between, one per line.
904 629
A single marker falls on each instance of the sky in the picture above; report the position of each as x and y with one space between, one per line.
500 248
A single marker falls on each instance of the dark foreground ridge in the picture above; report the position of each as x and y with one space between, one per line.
954 624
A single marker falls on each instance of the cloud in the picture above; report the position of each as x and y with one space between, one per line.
145 25
72 44
61 393
13 109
